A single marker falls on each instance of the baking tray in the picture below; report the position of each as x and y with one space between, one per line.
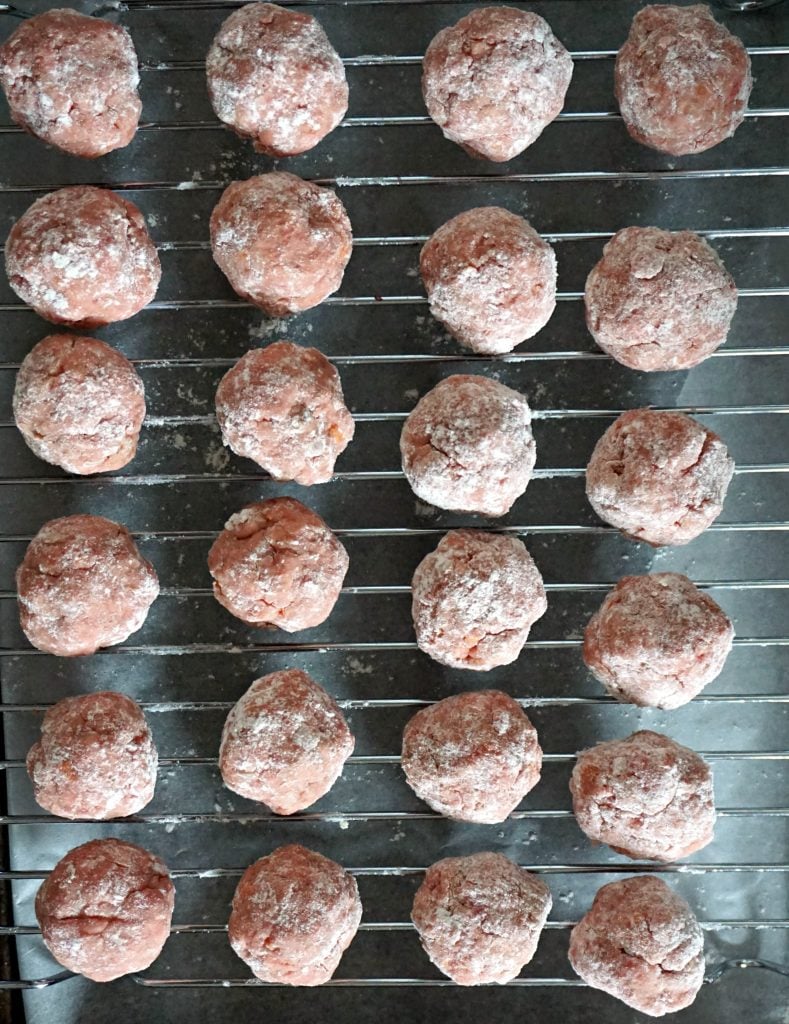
399 180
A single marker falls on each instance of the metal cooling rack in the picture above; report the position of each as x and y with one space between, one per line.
399 179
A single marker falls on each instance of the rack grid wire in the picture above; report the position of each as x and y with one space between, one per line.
399 180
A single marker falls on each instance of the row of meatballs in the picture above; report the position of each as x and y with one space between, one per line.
492 82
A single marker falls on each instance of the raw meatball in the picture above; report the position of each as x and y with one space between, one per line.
83 585
79 404
467 446
682 81
284 743
473 756
275 78
494 80
490 279
82 256
282 243
105 909
659 477
282 406
659 300
480 917
657 640
72 81
276 563
95 758
640 943
294 915
475 599
645 796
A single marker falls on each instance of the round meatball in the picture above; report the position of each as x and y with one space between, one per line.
105 909
282 406
467 446
475 599
472 757
294 915
276 563
645 796
83 585
284 743
657 640
659 300
275 78
659 477
490 279
282 243
79 404
72 81
493 81
682 80
641 943
82 256
95 758
480 917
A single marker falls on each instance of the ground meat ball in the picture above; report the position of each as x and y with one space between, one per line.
475 599
490 279
276 563
282 243
645 796
83 585
72 81
657 640
659 477
640 943
472 757
294 915
282 406
467 446
284 743
480 917
82 256
95 758
79 404
659 300
493 81
682 81
274 77
105 909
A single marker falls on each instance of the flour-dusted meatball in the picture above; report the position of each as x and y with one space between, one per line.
657 640
294 915
82 256
641 943
475 598
72 80
659 300
681 79
480 917
493 81
282 406
282 243
83 585
490 279
285 742
473 756
645 796
659 477
95 758
276 563
105 909
275 78
467 446
79 404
